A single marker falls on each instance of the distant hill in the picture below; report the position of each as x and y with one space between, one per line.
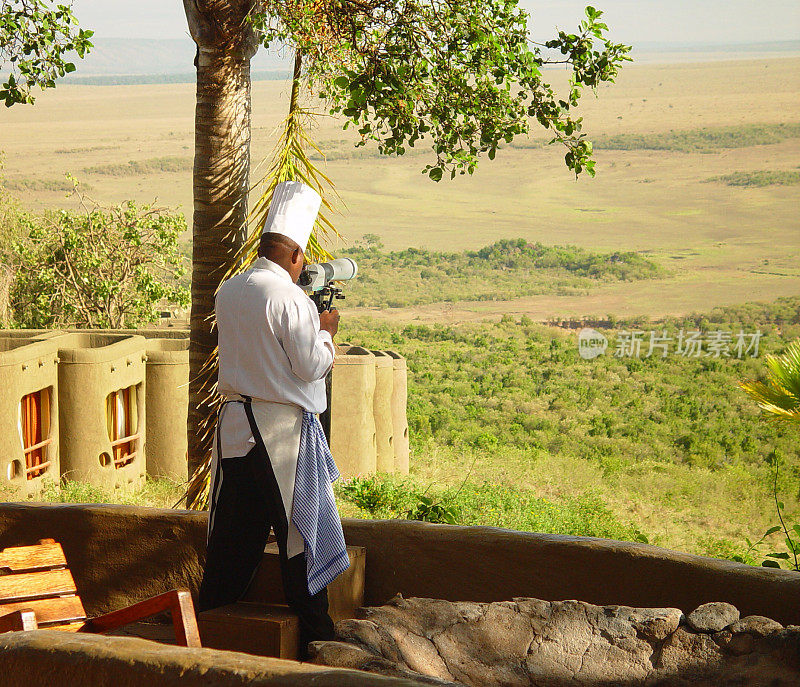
137 60
143 61
652 52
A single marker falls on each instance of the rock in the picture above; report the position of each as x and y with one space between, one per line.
492 644
756 625
685 653
528 642
616 653
736 644
341 654
741 644
712 617
655 623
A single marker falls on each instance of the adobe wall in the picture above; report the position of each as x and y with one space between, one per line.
93 365
122 554
51 657
166 405
27 366
365 395
352 412
492 564
118 554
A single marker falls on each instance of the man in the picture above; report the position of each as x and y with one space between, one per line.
271 466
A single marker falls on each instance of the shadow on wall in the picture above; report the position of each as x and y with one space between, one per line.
118 555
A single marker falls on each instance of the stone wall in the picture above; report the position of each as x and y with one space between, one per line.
122 554
526 642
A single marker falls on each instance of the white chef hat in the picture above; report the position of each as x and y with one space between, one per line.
293 211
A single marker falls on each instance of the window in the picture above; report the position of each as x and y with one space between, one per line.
34 429
123 423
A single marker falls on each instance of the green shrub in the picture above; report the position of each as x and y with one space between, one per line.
525 386
486 504
152 165
372 494
701 140
156 493
36 184
759 179
506 269
100 267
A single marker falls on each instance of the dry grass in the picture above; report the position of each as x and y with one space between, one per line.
679 507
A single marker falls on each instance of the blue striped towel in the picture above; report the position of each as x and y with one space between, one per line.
314 508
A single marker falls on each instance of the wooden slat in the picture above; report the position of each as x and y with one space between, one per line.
69 627
39 467
184 620
124 459
41 444
35 585
39 556
125 440
58 610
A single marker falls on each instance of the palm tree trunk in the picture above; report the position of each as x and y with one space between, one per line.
225 44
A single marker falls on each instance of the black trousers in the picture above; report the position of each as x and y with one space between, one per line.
247 505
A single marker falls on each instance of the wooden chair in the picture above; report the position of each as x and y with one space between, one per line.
37 592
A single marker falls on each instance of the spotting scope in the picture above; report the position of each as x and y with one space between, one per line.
317 280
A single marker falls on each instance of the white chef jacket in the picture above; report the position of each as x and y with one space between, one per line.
272 350
270 344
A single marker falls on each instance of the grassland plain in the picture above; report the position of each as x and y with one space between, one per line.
613 447
711 238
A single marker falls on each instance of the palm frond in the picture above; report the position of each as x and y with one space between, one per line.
785 370
290 161
779 395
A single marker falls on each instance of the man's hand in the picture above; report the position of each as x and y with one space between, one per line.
329 321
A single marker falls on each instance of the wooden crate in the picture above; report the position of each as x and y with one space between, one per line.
345 593
260 629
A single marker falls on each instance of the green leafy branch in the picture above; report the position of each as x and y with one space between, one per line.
792 545
459 74
35 39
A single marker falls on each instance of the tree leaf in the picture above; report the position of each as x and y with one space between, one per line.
436 173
